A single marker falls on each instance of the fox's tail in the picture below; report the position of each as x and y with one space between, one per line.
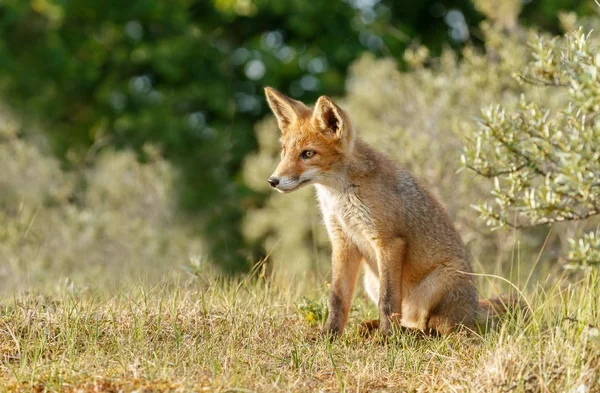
492 311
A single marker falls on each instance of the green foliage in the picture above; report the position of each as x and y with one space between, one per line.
544 156
107 73
314 313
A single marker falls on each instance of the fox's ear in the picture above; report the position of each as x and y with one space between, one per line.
285 109
330 118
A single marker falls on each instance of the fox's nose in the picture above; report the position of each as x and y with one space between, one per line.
273 181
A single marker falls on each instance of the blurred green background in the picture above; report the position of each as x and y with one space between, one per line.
107 96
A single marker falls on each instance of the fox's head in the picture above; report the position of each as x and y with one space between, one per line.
314 141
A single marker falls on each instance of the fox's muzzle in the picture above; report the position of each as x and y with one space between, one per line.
287 184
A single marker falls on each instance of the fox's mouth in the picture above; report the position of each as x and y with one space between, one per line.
297 186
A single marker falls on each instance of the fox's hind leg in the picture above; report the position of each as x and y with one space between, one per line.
457 308
367 328
370 327
371 283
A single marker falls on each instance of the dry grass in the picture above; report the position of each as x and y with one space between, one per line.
204 334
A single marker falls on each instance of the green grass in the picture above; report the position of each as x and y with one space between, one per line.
205 334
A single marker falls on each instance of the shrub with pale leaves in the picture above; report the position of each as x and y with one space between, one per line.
545 160
114 220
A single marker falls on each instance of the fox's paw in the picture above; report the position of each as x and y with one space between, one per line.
322 334
368 328
331 331
390 325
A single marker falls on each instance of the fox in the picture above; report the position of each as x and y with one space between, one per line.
417 270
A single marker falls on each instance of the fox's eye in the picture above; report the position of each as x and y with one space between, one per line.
306 154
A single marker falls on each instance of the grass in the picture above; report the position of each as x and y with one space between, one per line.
248 335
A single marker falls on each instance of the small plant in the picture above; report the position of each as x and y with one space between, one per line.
313 312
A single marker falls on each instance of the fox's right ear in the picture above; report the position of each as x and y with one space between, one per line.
285 109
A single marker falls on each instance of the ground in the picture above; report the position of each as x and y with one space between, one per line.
257 334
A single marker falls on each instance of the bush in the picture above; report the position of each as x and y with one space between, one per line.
114 218
545 160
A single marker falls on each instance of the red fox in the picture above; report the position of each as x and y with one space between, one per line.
377 215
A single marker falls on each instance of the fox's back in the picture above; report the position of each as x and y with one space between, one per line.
385 200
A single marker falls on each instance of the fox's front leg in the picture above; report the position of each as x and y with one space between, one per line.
345 266
390 255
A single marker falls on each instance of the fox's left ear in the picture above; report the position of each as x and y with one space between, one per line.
331 118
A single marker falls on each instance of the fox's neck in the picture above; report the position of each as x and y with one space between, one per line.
357 167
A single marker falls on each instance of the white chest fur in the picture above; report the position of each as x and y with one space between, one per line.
353 216
356 222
